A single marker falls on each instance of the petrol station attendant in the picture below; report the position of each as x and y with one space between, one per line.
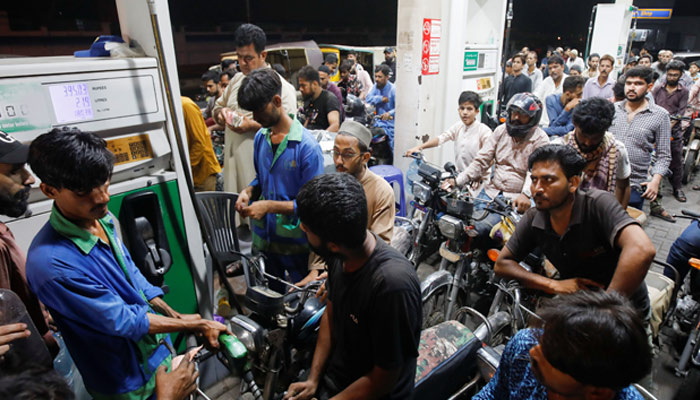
111 318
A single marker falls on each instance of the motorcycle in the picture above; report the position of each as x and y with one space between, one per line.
691 145
465 276
356 110
684 319
426 209
279 334
454 362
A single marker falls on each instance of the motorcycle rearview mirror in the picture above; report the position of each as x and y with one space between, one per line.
450 167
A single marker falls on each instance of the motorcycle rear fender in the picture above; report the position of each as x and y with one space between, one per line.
695 145
435 281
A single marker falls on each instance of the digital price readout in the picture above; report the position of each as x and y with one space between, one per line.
71 102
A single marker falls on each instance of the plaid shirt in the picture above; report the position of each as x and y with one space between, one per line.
650 128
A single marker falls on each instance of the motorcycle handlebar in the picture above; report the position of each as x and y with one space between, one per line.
500 203
690 213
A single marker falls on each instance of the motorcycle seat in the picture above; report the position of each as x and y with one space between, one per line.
446 356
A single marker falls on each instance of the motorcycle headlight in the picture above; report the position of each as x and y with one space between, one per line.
450 227
421 192
249 332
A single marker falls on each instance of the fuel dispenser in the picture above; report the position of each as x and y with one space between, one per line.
125 102
444 48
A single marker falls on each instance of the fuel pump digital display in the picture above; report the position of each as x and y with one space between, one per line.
71 102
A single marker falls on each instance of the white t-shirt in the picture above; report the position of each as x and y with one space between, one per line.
546 88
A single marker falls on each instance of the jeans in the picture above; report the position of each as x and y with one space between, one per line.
636 199
275 265
676 166
483 227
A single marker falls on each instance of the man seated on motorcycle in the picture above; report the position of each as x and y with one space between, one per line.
608 165
350 155
592 347
587 235
469 134
112 319
383 97
368 338
507 149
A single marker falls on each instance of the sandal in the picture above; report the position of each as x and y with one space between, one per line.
663 214
696 187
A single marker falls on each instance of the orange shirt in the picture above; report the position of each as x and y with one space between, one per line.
202 158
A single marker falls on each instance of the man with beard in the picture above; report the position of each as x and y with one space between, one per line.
285 157
608 164
321 107
390 61
560 106
673 97
601 85
587 235
15 183
250 43
507 149
643 126
368 337
324 78
350 155
85 276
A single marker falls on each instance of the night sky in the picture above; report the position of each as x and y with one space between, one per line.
537 23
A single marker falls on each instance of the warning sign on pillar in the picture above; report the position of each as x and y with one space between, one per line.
430 56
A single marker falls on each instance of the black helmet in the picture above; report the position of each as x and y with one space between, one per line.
524 103
353 106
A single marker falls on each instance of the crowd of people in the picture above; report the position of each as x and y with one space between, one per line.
574 151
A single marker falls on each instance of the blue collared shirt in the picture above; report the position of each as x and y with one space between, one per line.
514 378
279 176
99 310
559 119
374 97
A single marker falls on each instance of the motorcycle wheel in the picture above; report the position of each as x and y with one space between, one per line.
690 388
434 307
688 165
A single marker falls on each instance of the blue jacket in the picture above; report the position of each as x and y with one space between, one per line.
98 303
559 119
279 177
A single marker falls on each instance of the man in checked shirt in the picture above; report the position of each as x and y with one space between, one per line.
642 126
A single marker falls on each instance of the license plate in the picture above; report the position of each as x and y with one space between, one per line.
130 149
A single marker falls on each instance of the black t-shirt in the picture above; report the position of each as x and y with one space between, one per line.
587 248
514 85
316 111
376 319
